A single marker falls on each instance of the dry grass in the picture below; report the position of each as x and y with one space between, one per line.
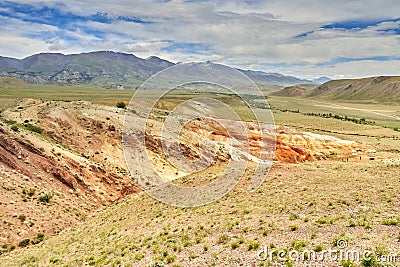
302 206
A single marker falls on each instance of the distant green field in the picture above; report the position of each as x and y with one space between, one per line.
381 114
12 89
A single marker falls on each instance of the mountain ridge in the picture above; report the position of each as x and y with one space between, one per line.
106 69
384 89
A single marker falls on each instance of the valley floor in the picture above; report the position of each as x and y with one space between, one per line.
321 193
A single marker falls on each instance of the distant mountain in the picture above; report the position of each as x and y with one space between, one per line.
378 89
103 68
107 69
261 77
321 80
291 91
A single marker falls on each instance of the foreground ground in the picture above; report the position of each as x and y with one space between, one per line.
301 206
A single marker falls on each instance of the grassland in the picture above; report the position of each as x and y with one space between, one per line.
11 89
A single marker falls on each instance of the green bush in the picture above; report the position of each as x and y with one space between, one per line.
33 128
347 263
253 245
45 198
121 105
24 242
234 245
40 236
370 261
391 221
14 128
10 122
54 260
170 259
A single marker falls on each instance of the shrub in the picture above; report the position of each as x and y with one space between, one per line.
234 245
24 242
319 248
54 260
14 128
369 261
139 256
158 264
40 236
33 128
22 217
253 245
121 105
170 259
391 221
45 198
347 263
298 245
223 239
10 122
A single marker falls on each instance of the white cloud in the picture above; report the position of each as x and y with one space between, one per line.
241 33
54 45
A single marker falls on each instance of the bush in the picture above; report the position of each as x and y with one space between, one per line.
234 245
45 198
347 263
370 261
253 245
33 128
40 236
10 122
14 128
170 259
54 260
158 264
391 221
121 105
22 217
24 242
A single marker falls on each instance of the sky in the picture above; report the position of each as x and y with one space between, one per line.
303 38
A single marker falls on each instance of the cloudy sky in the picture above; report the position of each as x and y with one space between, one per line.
305 38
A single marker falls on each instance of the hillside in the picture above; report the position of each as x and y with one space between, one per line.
383 89
295 210
291 91
105 69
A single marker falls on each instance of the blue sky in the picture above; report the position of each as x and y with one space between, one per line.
305 38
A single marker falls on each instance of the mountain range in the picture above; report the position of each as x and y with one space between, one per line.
384 89
380 89
107 69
